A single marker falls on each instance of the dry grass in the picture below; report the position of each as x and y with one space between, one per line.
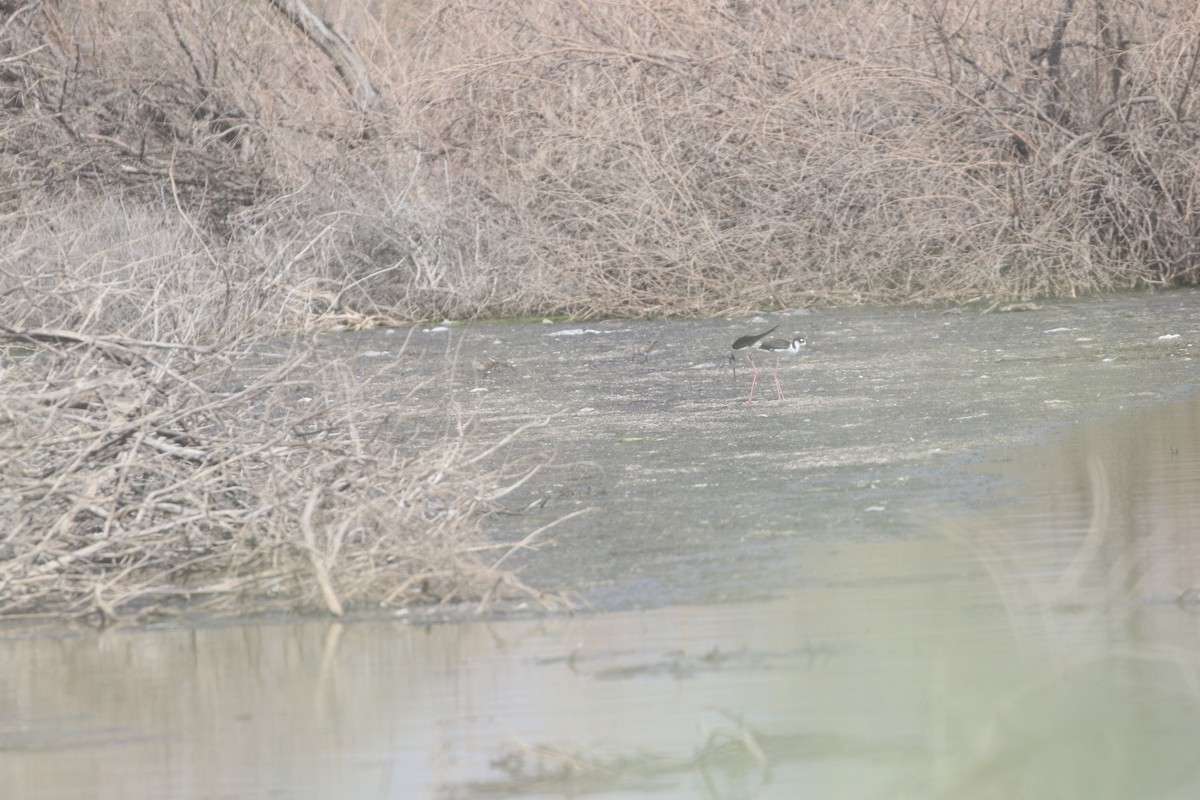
696 156
142 478
682 157
183 177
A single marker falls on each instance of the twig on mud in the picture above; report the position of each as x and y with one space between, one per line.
550 602
320 569
504 490
52 336
525 543
513 435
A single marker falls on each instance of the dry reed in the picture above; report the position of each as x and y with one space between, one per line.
686 157
142 477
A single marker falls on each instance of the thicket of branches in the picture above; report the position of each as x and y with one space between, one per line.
143 478
695 156
171 198
685 156
180 177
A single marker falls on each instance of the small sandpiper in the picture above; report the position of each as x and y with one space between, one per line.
759 343
486 364
643 349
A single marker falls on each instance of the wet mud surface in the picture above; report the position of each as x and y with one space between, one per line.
660 485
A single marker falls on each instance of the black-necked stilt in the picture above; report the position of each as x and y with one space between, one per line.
759 343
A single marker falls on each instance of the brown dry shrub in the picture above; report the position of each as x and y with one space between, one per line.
686 156
217 125
142 478
166 207
700 156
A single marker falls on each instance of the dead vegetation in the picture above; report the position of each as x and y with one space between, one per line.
686 157
142 478
703 157
731 754
184 177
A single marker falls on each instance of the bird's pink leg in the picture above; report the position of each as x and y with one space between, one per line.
778 391
754 382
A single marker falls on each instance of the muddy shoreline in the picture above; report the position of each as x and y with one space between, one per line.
682 493
657 485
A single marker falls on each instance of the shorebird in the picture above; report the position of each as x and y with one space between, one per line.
643 349
486 364
759 343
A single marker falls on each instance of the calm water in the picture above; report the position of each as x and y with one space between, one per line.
1044 643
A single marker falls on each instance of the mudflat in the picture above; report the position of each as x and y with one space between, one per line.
658 484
